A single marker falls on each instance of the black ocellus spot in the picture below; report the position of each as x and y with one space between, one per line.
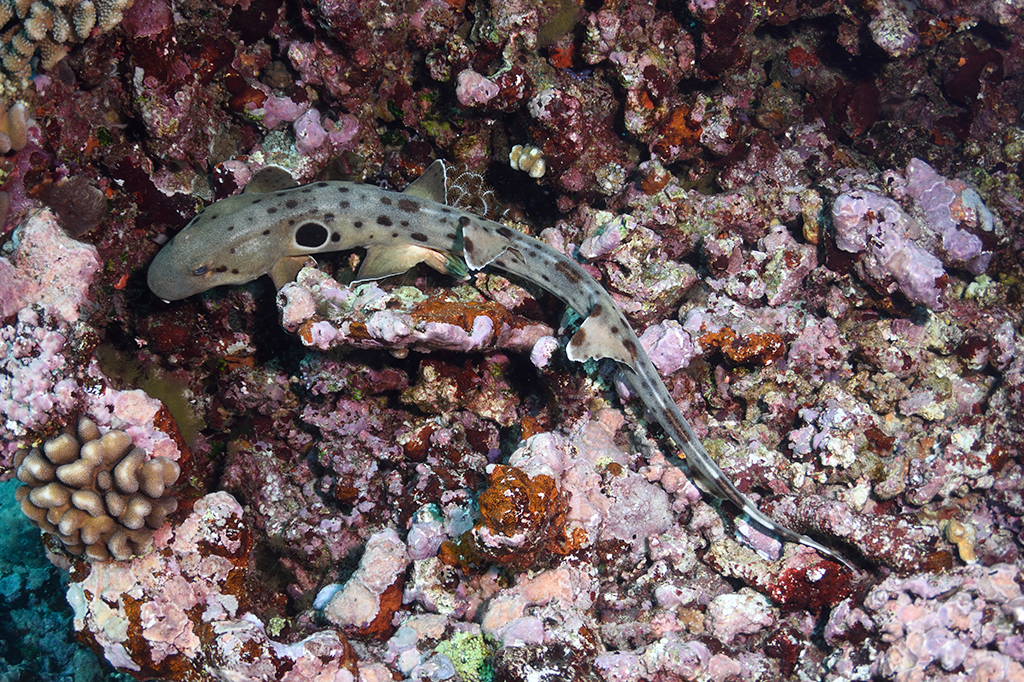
310 235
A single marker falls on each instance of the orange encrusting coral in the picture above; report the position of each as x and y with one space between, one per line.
754 349
522 518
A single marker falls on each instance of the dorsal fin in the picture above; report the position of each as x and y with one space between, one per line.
385 261
270 179
431 185
595 340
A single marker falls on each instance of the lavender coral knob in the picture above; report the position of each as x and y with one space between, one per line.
893 259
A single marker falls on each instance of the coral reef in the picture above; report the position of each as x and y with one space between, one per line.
368 601
325 315
38 382
810 213
902 253
935 623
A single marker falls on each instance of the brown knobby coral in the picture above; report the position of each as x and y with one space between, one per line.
13 137
13 128
80 204
96 492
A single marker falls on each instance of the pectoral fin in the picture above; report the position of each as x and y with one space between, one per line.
595 340
286 268
270 179
385 261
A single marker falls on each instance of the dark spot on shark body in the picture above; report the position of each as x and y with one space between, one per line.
566 271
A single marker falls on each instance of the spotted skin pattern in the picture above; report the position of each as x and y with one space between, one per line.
240 238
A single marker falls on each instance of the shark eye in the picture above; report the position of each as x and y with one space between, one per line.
200 270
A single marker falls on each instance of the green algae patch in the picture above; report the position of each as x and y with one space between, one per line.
470 656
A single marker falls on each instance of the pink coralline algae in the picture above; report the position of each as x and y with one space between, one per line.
312 131
473 89
745 612
37 381
367 596
956 214
42 382
618 245
669 347
935 627
309 133
834 433
278 110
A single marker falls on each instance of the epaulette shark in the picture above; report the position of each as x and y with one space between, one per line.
275 225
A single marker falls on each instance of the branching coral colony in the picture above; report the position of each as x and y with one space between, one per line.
37 28
809 211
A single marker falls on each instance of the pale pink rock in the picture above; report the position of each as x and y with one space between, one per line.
670 655
296 304
309 132
523 632
744 612
471 88
60 267
278 110
134 412
36 378
358 602
342 133
668 346
871 223
619 666
501 611
542 351
948 204
17 289
455 337
722 668
187 570
605 239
